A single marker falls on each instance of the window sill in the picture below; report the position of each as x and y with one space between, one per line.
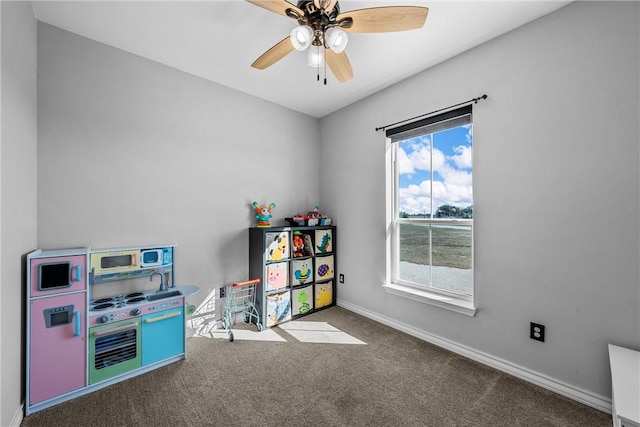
448 303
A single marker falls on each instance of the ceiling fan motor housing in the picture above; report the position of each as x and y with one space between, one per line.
313 12
318 19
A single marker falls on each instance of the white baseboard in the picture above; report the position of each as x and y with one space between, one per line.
590 399
17 418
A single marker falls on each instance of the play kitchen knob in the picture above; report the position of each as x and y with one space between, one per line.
135 312
102 319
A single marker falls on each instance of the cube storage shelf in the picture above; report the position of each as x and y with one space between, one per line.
297 269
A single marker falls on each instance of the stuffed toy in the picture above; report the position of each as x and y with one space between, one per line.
263 214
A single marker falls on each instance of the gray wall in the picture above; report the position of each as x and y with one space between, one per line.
18 171
132 152
556 185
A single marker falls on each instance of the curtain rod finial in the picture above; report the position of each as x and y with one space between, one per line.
475 101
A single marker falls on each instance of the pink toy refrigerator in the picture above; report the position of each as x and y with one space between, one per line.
56 329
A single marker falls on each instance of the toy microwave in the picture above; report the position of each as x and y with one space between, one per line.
157 257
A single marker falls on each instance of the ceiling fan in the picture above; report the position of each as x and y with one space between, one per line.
324 31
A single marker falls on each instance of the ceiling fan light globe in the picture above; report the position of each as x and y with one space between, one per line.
301 37
316 57
336 39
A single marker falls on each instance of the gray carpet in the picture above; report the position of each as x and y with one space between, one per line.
393 380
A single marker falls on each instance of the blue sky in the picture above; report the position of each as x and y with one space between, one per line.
452 153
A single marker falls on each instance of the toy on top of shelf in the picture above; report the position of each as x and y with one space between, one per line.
311 218
315 212
263 214
296 220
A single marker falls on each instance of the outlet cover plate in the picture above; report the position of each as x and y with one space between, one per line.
536 332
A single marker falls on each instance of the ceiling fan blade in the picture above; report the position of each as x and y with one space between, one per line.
385 19
277 6
327 5
273 55
339 65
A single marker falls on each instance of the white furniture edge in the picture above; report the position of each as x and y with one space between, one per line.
625 369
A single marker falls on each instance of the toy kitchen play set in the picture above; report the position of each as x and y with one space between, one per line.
84 333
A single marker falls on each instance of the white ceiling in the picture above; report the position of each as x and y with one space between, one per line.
218 41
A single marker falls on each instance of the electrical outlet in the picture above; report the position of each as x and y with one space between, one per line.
222 294
536 332
341 278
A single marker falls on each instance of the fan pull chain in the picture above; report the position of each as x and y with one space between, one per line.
325 72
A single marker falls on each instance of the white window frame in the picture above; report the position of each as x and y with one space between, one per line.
447 300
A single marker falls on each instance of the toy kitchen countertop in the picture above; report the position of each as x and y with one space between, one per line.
186 290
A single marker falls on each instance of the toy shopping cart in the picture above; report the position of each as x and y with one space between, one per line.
241 298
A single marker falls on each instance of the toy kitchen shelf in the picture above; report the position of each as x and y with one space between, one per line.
297 271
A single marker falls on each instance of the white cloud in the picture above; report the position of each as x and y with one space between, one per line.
420 160
420 157
405 165
415 199
453 184
456 177
463 157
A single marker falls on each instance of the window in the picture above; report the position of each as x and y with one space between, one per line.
430 209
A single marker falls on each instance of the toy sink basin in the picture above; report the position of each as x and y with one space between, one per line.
163 295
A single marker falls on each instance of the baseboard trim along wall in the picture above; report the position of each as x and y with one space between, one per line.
18 416
590 399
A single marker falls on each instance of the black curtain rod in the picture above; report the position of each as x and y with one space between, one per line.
474 100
